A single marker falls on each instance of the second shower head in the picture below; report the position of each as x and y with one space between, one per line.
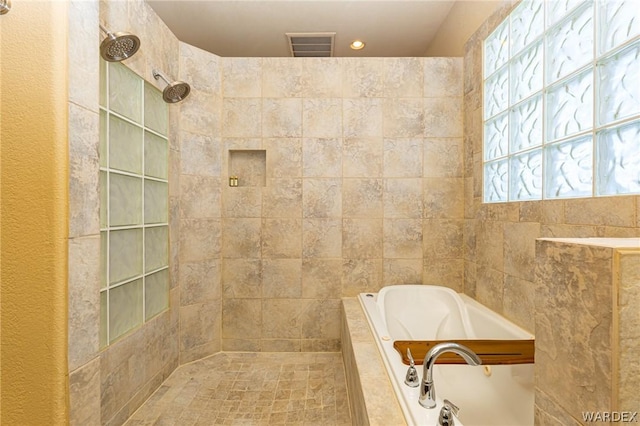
174 92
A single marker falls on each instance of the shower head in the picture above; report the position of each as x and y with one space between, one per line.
117 47
174 92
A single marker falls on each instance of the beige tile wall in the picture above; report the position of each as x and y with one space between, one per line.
364 187
199 197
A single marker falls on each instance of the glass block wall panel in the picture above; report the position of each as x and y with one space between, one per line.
125 255
133 182
561 105
156 296
618 169
156 251
619 21
125 94
558 9
569 168
155 201
125 200
156 114
104 320
526 73
104 194
155 156
526 125
125 145
104 261
496 181
103 84
619 85
496 49
570 107
526 176
527 23
495 137
570 45
103 139
496 93
125 309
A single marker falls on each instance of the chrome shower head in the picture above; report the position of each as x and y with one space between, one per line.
174 92
117 47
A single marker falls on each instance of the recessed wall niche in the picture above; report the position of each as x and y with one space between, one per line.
249 166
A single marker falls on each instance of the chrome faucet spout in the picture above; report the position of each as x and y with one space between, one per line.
427 387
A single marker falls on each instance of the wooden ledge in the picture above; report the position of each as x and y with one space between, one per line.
491 352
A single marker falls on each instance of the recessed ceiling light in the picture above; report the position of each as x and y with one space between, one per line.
357 45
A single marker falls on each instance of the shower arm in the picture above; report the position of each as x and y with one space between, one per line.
157 75
106 31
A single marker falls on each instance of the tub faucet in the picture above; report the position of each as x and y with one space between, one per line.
427 387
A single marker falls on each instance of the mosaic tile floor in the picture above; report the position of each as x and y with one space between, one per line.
251 389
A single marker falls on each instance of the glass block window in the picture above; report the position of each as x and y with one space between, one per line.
134 229
562 101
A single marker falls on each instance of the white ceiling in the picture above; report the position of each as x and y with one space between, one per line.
257 28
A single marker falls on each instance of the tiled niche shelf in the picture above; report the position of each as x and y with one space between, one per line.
249 166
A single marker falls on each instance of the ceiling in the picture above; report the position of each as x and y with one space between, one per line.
257 28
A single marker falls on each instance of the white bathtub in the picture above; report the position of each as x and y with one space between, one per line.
486 395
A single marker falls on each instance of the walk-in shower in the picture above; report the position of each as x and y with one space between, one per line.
174 92
118 46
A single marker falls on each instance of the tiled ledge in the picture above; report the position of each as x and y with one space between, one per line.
374 403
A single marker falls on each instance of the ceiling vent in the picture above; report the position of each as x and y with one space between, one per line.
311 45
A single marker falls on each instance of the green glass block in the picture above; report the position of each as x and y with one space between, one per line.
103 150
155 202
125 92
155 156
156 113
104 249
125 200
156 247
156 296
103 320
103 199
125 146
125 254
103 83
125 308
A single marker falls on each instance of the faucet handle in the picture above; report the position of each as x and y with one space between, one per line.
411 379
454 408
448 410
411 361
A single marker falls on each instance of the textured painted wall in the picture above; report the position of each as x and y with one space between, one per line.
362 188
33 229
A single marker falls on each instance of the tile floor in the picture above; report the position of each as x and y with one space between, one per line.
241 388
